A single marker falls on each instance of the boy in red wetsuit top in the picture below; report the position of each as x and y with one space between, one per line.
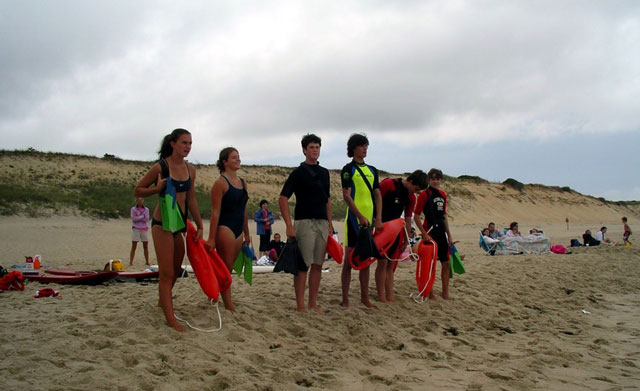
432 202
397 197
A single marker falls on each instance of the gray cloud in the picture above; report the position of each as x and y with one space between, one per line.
85 77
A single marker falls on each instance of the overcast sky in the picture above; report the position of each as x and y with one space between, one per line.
541 91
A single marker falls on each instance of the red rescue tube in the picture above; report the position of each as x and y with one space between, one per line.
390 231
383 239
334 249
202 267
426 267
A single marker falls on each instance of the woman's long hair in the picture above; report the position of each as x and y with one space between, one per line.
165 148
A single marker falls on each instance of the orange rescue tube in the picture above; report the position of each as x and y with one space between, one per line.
426 267
202 266
334 249
390 231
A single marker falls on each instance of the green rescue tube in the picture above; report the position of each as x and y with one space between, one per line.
171 217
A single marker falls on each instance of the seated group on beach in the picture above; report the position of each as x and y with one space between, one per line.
513 241
370 203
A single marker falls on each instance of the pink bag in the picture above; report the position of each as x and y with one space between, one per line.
558 249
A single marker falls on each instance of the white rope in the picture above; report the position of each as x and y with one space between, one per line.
413 256
211 301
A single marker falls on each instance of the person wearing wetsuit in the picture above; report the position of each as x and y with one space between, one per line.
169 247
432 202
398 197
229 198
313 224
361 193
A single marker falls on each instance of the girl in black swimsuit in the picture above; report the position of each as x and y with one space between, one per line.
170 247
228 213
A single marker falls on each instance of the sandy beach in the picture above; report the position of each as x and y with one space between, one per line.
524 322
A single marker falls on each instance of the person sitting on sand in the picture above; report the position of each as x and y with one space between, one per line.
169 245
229 226
275 247
626 232
139 230
601 238
493 232
491 243
589 240
513 230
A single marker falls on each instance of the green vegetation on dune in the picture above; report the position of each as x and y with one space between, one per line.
34 182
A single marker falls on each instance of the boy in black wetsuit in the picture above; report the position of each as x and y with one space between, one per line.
433 203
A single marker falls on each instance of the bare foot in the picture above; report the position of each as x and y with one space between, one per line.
368 304
148 264
446 297
391 299
176 326
230 307
345 303
382 299
316 309
432 297
301 309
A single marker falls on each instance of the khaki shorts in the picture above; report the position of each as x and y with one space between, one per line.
311 235
138 235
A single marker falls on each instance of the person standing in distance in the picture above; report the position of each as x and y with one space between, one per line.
310 183
361 193
139 230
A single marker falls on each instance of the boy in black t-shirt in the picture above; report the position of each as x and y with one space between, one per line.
310 183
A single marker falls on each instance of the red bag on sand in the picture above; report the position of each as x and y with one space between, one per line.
46 292
558 249
14 281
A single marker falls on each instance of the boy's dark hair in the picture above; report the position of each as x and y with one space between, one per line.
262 202
603 227
435 173
624 219
419 178
491 223
355 140
513 225
310 138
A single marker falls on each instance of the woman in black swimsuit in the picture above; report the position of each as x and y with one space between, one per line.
228 213
169 246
